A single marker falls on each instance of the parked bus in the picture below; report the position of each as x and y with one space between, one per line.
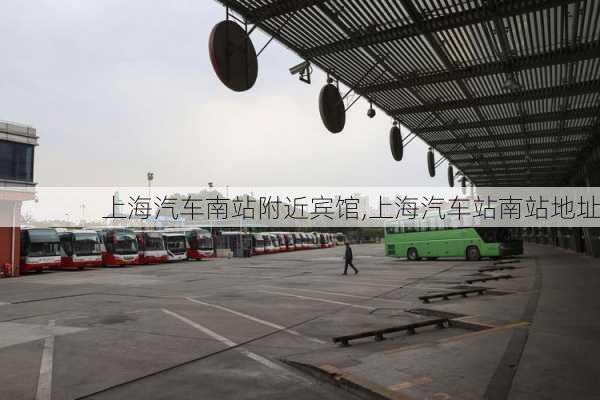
120 247
268 243
322 240
151 247
298 241
40 249
200 242
282 241
289 241
80 248
176 245
330 239
340 239
276 243
415 240
258 243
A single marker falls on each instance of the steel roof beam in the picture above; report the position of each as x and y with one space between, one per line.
562 56
272 10
588 112
537 94
440 52
527 147
502 9
549 133
519 157
534 149
371 53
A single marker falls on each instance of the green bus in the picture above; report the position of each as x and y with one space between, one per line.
416 239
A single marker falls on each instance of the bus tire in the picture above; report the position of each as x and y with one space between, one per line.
412 254
473 253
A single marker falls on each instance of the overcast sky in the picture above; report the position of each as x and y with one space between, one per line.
116 88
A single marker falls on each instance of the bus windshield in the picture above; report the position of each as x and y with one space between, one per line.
153 242
205 243
498 235
176 244
41 242
86 244
125 243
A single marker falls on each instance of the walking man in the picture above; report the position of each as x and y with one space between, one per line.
348 258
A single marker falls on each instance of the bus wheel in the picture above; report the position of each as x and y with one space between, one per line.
412 254
473 253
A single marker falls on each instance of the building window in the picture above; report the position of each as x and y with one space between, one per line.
16 161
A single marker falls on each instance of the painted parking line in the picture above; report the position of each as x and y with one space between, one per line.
258 320
224 340
356 282
319 299
355 296
44 386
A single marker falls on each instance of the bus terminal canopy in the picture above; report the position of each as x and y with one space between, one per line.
506 90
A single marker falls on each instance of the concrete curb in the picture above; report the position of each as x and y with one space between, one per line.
349 382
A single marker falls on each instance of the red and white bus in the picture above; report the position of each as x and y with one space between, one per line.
200 242
176 245
120 247
282 241
258 244
151 247
322 240
305 240
298 241
275 242
289 241
40 249
268 243
80 248
314 236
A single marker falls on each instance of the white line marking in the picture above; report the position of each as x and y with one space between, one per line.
44 386
224 340
260 321
337 294
319 299
357 282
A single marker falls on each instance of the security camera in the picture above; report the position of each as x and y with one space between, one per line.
371 111
300 68
303 70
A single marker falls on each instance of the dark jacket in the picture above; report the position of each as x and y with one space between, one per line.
348 255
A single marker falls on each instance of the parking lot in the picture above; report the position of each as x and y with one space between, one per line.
263 328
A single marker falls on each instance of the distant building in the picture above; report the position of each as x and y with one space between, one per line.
17 145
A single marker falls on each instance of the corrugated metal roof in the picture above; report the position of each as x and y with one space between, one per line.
446 68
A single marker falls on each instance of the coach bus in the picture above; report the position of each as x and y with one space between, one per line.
176 245
80 248
151 247
415 239
40 249
200 242
120 247
289 241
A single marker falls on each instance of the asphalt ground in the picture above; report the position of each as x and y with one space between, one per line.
227 328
